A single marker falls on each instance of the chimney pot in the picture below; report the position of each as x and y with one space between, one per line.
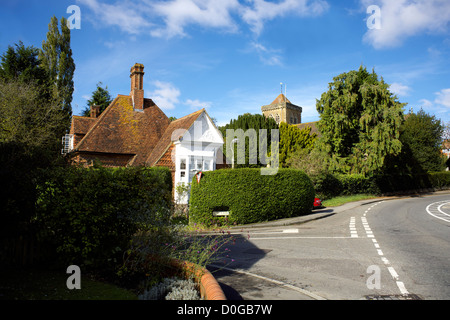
95 111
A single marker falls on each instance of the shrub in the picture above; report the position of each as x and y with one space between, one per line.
440 180
329 185
357 184
249 196
89 215
172 289
326 185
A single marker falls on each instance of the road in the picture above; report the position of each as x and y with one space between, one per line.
377 249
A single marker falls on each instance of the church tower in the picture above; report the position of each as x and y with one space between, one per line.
282 110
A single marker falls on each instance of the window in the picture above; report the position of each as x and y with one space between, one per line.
200 163
183 164
206 165
277 118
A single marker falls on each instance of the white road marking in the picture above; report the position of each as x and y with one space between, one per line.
439 209
352 226
281 238
303 291
402 288
290 231
433 209
394 274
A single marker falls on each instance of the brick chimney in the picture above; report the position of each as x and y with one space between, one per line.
137 86
95 111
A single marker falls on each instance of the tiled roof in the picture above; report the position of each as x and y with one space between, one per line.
313 126
122 130
166 140
281 99
81 125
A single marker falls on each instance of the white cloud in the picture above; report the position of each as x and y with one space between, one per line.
165 95
426 103
197 104
267 56
399 89
401 19
262 11
134 17
443 97
178 14
125 14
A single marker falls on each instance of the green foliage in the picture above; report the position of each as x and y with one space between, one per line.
359 123
28 119
248 123
100 97
312 162
292 139
90 215
249 196
56 59
22 64
421 134
329 185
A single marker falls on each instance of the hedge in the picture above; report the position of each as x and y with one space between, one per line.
249 196
329 185
89 215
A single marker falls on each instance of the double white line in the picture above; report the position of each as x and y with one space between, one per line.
435 210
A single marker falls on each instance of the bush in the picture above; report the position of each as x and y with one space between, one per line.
326 185
249 196
440 180
172 289
90 215
329 185
357 184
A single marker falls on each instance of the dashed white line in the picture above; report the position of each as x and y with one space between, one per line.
353 231
394 274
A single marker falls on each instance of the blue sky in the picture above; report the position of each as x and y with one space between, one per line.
230 56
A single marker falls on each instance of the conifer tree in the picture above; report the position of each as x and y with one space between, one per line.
359 123
56 59
100 97
248 122
292 139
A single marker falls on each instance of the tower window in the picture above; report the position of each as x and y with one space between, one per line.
277 118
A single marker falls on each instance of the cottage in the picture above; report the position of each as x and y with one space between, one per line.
134 131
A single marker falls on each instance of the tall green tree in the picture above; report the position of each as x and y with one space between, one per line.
293 138
56 59
249 124
360 122
421 133
100 97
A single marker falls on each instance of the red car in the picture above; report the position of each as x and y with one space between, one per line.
317 203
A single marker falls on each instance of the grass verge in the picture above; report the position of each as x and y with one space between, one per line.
338 201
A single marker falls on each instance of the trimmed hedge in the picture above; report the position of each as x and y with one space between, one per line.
89 215
249 196
328 185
